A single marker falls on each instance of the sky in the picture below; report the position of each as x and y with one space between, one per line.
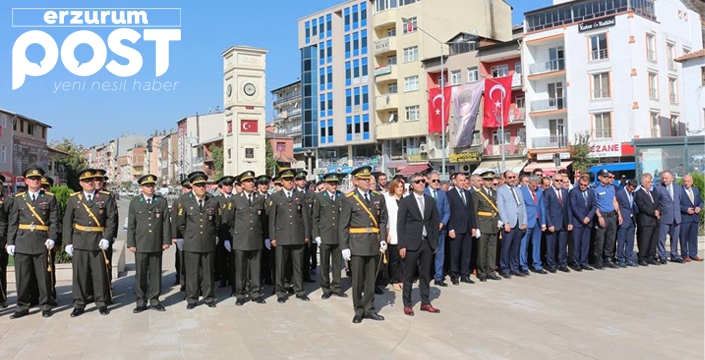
92 116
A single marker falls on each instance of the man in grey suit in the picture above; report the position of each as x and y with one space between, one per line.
512 213
669 206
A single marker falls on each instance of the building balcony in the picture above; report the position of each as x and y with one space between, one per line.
546 67
551 104
280 101
385 18
385 74
387 102
549 142
517 81
386 45
517 115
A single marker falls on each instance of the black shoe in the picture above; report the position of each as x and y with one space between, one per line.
466 280
612 265
240 302
563 269
493 276
281 300
260 300
440 283
374 316
551 270
103 310
631 264
482 278
303 297
290 291
3 305
325 296
541 271
159 307
211 305
139 309
576 268
663 261
653 262
506 275
357 319
677 260
622 264
525 272
340 294
47 313
77 312
190 306
518 274
643 263
455 281
19 314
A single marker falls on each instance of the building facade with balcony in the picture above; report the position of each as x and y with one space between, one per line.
694 91
286 106
6 141
29 146
194 132
54 169
607 69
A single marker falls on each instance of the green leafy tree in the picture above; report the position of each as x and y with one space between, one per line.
218 160
698 183
271 161
73 162
579 151
62 193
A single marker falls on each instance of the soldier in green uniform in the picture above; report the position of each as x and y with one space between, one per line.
225 269
363 230
485 203
89 226
326 216
148 235
5 202
177 238
311 248
248 231
288 231
198 219
267 253
32 227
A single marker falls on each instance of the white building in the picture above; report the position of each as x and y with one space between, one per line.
694 91
606 68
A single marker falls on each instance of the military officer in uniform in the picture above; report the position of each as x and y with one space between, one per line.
325 217
177 238
148 235
485 203
363 230
100 179
248 231
89 226
288 230
5 202
32 227
47 183
225 269
267 253
198 219
311 248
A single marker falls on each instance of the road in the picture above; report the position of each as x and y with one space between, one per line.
634 313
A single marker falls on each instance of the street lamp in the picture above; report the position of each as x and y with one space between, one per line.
501 124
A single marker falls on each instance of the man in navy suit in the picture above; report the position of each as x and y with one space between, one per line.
670 208
625 234
443 207
582 210
461 229
536 224
558 224
691 206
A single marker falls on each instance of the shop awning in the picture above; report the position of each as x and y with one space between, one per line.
413 169
514 165
548 167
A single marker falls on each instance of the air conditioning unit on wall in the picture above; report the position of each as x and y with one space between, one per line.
423 149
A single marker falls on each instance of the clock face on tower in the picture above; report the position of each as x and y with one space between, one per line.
230 89
249 89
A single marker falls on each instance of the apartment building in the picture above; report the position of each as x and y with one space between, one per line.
286 106
170 170
29 137
693 91
606 68
194 133
6 141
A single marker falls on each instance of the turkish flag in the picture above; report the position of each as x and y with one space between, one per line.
438 104
249 126
498 97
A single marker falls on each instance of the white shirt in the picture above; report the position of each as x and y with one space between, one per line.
33 195
392 210
88 195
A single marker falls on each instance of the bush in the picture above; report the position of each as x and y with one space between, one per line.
698 183
61 193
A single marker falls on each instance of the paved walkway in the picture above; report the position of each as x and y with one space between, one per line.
634 313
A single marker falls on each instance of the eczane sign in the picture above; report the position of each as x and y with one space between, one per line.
600 150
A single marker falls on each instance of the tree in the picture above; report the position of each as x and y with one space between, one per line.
218 160
61 194
73 162
579 151
271 168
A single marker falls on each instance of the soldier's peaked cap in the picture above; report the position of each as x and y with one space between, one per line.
147 179
86 174
363 172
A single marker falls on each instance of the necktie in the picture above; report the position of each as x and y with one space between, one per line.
434 194
533 196
514 194
149 201
249 199
90 198
462 196
200 204
585 196
691 196
650 197
419 199
560 198
670 191
34 197
288 194
332 197
631 199
367 199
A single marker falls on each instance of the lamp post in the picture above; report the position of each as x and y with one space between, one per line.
501 125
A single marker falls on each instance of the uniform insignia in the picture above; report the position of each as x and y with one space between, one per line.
20 194
349 194
271 202
104 192
156 215
374 192
100 212
49 193
74 194
259 212
181 210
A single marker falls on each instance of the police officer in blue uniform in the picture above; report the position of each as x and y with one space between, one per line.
608 218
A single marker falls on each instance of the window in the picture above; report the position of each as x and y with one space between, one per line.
411 54
496 140
671 56
473 74
411 83
3 153
651 47
30 129
280 146
500 70
520 102
230 127
598 47
675 126
409 26
412 113
602 125
392 88
517 67
392 31
653 86
702 76
3 123
655 125
455 77
673 90
393 116
601 86
392 60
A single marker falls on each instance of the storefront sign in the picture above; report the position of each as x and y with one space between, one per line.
417 158
383 70
549 156
382 46
597 24
465 157
600 150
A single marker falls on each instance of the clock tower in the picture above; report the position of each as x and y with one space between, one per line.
244 97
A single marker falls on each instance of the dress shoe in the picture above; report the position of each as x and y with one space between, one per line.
663 261
482 279
77 312
18 314
260 300
430 308
622 264
587 267
190 306
240 302
643 263
440 283
677 260
103 310
563 269
357 319
3 305
139 309
408 311
47 313
551 270
506 275
466 280
611 265
696 258
281 300
525 272
303 297
631 264
290 290
340 294
651 262
159 307
540 271
211 305
686 259
493 276
518 274
325 296
455 282
599 267
575 268
374 316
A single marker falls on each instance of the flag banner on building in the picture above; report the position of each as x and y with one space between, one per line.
249 126
498 97
438 105
466 102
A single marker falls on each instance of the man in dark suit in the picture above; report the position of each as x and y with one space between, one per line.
582 211
417 227
326 217
558 224
443 207
670 208
625 234
461 229
536 224
691 206
647 221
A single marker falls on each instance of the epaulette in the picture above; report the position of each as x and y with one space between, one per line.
49 193
19 194
350 194
76 193
105 192
375 192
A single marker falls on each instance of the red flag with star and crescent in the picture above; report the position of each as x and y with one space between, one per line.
498 97
436 101
249 126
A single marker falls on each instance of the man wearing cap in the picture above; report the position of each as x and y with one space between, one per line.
178 238
100 179
326 216
363 231
198 219
148 235
288 230
608 218
627 230
225 268
89 226
310 261
268 267
5 202
484 200
248 231
32 227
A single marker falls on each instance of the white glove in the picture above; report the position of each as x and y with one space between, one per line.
49 244
383 246
217 240
69 249
11 249
499 223
477 233
227 246
104 244
268 244
318 240
180 244
346 254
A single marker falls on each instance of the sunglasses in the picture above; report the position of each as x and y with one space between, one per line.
198 185
511 177
435 181
420 181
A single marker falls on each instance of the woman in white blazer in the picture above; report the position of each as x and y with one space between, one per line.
395 192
